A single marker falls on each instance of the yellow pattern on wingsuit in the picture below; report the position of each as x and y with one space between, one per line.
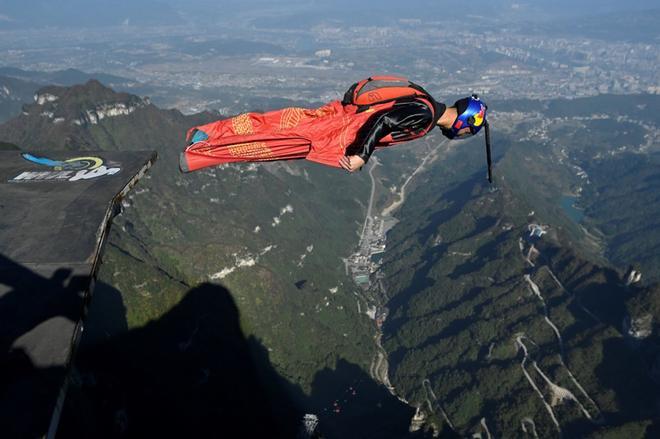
242 124
252 150
326 110
291 117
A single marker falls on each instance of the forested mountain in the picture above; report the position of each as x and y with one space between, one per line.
508 308
514 304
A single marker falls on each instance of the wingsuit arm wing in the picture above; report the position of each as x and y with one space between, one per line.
381 127
405 116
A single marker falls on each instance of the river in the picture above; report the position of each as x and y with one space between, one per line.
568 204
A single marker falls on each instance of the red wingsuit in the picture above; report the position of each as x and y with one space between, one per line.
320 135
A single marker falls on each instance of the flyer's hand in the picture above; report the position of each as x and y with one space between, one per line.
351 163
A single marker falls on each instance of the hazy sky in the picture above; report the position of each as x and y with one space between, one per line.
17 14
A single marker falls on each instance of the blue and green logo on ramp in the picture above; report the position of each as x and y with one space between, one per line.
73 169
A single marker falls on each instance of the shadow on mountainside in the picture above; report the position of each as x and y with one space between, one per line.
625 372
191 373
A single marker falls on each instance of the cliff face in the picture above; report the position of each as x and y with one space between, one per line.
100 112
43 97
82 105
642 312
638 327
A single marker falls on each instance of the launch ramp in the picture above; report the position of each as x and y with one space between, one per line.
55 212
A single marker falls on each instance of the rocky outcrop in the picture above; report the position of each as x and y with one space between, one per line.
5 92
418 421
83 105
94 115
638 327
642 310
633 277
43 98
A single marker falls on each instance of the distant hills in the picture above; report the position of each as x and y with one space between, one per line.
65 77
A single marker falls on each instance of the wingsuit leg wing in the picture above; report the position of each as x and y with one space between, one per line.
320 135
247 137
